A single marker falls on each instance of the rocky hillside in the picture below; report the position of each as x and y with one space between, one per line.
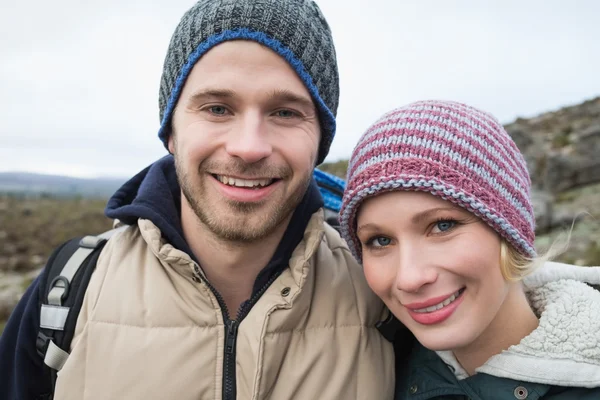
562 150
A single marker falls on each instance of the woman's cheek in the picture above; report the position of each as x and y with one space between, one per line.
378 276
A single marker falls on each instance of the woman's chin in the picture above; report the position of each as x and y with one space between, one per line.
442 339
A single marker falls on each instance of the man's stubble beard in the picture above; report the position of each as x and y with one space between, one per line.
248 222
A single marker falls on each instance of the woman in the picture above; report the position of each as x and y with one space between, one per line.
438 208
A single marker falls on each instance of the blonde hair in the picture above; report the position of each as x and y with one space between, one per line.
515 266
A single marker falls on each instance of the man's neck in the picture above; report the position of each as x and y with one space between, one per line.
514 321
230 267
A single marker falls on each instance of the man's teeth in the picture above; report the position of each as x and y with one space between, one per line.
439 305
250 183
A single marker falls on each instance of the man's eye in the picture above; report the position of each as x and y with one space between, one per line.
285 113
217 110
444 225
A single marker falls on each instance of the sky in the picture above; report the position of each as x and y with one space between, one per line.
79 79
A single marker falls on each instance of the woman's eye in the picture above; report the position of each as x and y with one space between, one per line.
380 241
217 110
445 225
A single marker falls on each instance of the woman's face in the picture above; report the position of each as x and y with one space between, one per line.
435 265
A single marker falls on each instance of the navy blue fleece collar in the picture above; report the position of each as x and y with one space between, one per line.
152 194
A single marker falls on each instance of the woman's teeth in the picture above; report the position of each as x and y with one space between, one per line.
440 305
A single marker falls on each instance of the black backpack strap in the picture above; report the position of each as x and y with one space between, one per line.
68 274
390 327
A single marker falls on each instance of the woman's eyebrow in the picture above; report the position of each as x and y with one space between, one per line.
367 227
427 214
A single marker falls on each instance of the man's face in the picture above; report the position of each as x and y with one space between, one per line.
245 140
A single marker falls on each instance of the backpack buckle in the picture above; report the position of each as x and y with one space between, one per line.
66 286
41 344
91 242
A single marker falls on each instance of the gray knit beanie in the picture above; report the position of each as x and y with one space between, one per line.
294 29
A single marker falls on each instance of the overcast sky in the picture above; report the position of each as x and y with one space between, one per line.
79 79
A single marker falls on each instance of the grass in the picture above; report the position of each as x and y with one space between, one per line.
31 228
561 140
592 254
26 282
566 197
337 168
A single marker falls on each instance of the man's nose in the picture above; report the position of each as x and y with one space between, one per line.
250 139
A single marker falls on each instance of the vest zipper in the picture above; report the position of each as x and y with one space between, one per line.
229 382
231 330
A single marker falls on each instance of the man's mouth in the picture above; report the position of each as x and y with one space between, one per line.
244 183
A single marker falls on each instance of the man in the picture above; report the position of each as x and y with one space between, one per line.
226 283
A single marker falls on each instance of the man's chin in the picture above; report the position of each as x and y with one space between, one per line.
239 221
244 222
244 232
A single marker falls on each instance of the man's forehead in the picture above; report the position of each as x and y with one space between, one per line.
240 47
232 68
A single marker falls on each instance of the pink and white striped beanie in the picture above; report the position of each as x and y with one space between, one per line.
448 149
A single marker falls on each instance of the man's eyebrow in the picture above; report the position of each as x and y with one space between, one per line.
287 96
206 94
276 96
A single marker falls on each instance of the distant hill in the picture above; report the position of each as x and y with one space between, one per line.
32 184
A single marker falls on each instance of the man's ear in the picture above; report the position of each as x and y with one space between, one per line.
171 143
